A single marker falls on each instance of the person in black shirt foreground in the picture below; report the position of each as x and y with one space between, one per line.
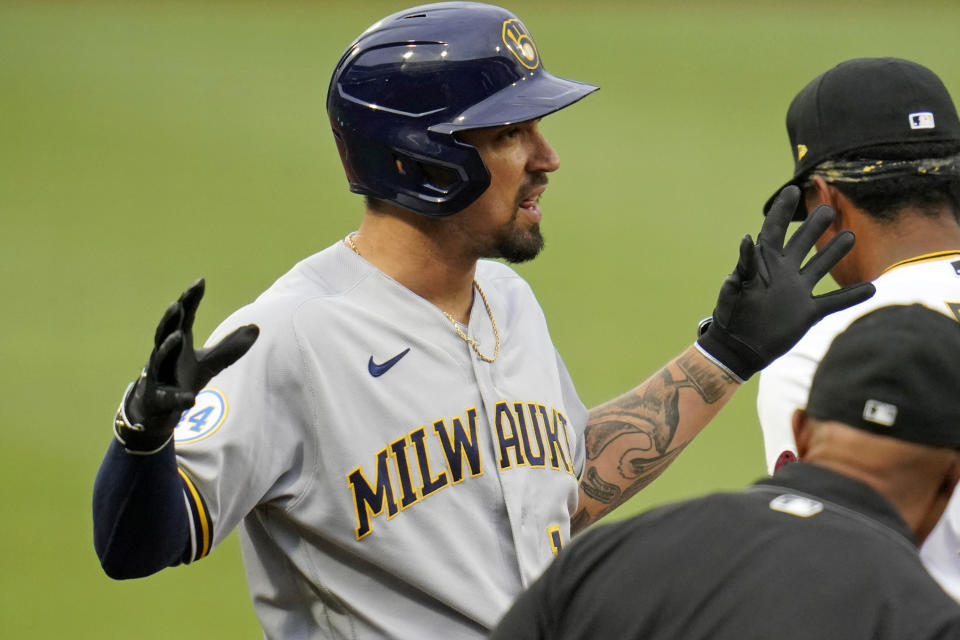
826 548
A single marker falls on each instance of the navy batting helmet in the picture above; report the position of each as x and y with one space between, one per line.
411 81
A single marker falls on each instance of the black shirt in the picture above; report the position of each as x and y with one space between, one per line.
806 554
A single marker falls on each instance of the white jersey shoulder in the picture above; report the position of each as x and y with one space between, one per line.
931 280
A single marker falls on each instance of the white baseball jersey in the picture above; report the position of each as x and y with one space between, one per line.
387 482
932 280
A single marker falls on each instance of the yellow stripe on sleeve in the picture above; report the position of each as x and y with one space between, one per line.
201 512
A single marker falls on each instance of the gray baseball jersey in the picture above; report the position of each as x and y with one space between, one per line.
387 482
932 280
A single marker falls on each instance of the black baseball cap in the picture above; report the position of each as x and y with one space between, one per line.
894 372
865 102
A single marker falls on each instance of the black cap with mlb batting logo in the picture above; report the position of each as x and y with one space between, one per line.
865 102
894 372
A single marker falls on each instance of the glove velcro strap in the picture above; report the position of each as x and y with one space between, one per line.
727 370
135 439
730 353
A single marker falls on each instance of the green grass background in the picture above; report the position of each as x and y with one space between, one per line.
145 144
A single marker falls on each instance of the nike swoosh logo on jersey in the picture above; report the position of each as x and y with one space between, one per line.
377 370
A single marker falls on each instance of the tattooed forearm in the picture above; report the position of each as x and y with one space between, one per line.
580 520
652 412
648 418
644 470
632 439
612 496
639 470
595 487
709 381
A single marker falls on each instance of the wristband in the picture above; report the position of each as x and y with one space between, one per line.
121 422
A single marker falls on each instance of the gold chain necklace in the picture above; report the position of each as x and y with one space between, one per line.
493 323
456 325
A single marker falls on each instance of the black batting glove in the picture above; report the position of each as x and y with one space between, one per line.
767 304
174 374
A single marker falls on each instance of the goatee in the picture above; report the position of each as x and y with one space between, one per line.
520 245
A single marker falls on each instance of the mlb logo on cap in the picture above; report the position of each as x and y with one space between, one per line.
894 373
861 103
880 412
921 120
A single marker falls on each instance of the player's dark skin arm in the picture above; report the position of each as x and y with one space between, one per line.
631 439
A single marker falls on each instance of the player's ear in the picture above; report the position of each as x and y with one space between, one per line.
821 192
800 422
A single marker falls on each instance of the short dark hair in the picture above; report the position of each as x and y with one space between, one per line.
883 199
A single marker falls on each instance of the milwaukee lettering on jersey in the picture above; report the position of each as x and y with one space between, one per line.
528 434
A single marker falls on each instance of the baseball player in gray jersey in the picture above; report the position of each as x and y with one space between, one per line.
398 440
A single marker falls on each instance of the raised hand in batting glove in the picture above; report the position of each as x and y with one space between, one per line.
767 304
175 373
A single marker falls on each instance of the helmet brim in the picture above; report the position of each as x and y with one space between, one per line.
530 98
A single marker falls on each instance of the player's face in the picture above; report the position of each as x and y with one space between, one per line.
504 222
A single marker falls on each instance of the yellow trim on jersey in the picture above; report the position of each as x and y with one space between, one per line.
201 513
556 538
927 257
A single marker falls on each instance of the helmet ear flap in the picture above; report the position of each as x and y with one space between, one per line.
344 150
437 188
421 182
432 176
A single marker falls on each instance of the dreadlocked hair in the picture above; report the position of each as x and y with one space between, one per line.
883 199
